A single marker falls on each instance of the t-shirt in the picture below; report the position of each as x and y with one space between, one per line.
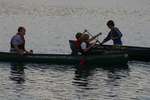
16 40
115 32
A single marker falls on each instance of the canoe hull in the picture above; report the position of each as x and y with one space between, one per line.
134 53
66 59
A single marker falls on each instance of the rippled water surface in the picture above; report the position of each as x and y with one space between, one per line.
54 82
50 24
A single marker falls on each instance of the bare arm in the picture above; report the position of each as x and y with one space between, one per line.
88 48
19 51
94 37
108 37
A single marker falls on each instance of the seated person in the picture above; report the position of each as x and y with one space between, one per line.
18 42
75 44
86 44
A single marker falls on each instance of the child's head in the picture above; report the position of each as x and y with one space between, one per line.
110 23
85 37
78 35
21 30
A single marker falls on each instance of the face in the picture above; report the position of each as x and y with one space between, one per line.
23 32
110 26
86 38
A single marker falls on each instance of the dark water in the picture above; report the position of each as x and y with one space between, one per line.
55 82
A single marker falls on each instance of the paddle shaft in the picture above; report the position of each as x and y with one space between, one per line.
93 36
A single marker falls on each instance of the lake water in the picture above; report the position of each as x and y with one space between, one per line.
54 82
50 24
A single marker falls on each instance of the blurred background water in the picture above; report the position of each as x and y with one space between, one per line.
50 24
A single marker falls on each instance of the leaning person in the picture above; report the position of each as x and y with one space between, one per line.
114 34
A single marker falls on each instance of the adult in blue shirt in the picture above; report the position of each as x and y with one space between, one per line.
114 34
17 42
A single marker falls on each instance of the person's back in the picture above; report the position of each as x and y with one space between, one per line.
116 36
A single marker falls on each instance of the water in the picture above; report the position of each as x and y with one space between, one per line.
50 24
54 82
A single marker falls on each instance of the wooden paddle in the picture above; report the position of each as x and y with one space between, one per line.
92 35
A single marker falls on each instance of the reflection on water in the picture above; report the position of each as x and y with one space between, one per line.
88 81
114 80
116 74
17 73
38 82
81 75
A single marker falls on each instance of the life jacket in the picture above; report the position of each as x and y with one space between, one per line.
82 51
78 43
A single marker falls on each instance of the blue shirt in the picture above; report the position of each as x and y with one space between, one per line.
115 35
16 40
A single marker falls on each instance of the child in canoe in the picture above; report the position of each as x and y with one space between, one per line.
82 43
86 42
114 34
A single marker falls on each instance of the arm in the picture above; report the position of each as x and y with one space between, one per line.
94 37
19 51
107 38
28 52
85 48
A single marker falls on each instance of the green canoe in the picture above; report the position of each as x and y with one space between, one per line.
134 52
66 59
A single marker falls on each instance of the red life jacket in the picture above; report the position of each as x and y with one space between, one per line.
78 43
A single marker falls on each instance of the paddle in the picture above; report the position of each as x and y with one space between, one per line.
92 35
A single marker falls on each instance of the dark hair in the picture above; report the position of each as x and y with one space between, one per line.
78 35
21 28
110 23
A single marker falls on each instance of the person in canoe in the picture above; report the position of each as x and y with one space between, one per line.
82 44
17 42
87 43
75 44
114 34
78 39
